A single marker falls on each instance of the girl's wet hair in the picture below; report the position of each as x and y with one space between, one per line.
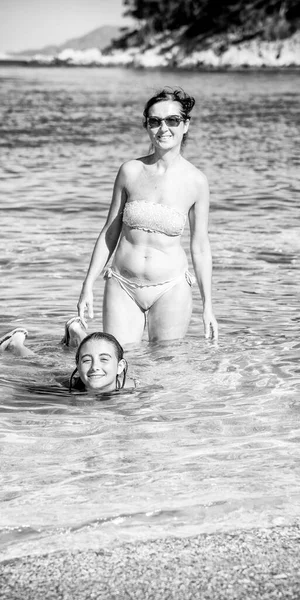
99 335
186 102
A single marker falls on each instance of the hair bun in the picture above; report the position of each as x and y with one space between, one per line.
176 95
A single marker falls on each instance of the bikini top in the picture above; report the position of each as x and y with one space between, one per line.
153 217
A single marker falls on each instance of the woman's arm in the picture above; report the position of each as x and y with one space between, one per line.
105 245
201 254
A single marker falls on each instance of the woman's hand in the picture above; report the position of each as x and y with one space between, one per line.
85 302
210 324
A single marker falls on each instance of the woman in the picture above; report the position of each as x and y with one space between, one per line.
100 364
152 198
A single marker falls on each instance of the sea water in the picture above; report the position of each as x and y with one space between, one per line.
209 441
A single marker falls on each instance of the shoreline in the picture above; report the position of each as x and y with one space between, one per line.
245 564
200 69
164 53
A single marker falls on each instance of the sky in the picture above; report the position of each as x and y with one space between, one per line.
33 24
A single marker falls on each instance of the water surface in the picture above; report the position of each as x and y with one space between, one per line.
210 439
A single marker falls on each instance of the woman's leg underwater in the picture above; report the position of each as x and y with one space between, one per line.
122 317
170 315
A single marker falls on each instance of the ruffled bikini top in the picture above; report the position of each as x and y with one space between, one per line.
153 217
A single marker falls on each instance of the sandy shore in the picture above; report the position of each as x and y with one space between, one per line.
260 564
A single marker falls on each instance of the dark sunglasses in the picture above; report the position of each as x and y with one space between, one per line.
171 121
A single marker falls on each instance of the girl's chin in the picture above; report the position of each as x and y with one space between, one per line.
95 386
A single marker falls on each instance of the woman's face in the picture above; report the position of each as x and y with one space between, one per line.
98 365
163 135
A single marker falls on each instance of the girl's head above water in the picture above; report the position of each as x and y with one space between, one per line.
100 364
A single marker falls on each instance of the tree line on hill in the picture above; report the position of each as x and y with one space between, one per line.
199 19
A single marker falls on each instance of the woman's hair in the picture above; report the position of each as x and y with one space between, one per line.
175 95
99 335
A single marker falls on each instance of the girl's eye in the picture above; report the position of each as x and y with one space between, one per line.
86 360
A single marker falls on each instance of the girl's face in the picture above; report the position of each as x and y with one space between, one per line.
163 135
98 366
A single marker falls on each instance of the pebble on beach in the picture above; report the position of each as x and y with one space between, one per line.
260 564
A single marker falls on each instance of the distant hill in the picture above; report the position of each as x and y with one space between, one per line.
191 34
100 38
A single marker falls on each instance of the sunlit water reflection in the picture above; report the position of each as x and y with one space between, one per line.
210 439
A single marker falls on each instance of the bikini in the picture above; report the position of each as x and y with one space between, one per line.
155 218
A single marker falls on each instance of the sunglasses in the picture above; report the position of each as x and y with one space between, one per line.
171 121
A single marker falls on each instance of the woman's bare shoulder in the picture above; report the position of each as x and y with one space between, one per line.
201 181
134 165
128 172
198 175
196 183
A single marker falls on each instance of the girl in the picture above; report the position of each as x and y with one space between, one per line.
100 363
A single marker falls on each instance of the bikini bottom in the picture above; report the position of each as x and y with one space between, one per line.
146 295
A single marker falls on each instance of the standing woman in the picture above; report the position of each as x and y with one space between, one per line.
153 197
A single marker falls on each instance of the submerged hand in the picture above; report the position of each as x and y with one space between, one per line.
210 325
85 302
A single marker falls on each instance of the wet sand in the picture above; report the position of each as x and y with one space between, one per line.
258 564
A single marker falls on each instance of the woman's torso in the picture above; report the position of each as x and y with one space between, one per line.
155 215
